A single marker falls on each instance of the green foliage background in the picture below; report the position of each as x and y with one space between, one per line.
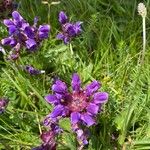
108 50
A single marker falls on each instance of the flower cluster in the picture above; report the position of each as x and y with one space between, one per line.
69 30
80 105
21 34
3 105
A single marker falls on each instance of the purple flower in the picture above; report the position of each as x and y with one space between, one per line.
49 142
69 30
80 105
13 56
33 71
22 33
3 104
14 53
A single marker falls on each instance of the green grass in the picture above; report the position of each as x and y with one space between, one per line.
108 50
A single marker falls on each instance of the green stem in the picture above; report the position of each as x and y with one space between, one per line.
49 6
70 47
144 40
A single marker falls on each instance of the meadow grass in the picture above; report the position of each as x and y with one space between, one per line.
108 50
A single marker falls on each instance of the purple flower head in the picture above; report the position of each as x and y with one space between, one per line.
80 105
69 30
3 105
82 135
22 33
14 53
13 56
32 71
49 142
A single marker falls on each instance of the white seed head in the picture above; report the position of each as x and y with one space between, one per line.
142 10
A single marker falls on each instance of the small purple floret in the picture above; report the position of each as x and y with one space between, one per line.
69 30
3 104
49 142
62 17
32 71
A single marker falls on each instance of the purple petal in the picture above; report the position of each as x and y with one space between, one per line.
76 83
48 121
24 25
52 99
59 96
60 36
59 87
41 147
63 37
55 128
66 40
3 102
62 17
44 28
77 27
16 16
8 22
85 141
31 44
31 70
12 29
44 31
35 20
9 41
93 87
82 137
69 29
79 132
58 111
100 97
75 117
88 120
3 105
93 108
29 31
